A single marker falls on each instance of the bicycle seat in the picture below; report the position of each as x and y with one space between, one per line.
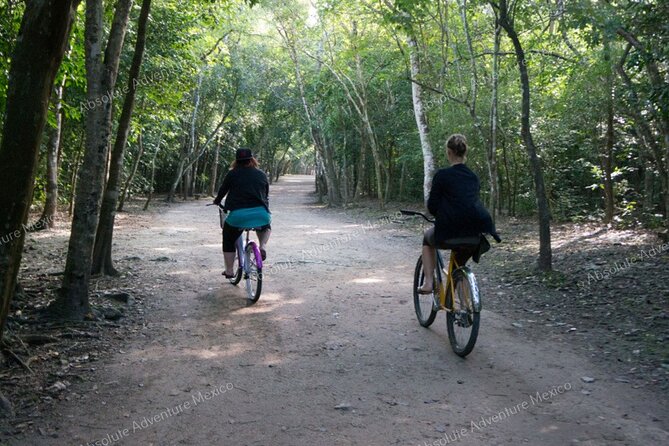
461 242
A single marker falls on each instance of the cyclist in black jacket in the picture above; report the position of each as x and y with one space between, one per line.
247 204
454 201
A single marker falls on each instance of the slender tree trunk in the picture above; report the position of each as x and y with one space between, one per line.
507 176
545 251
39 50
193 136
192 189
648 183
153 170
402 180
48 217
133 172
361 167
607 159
421 118
102 252
177 179
492 150
214 170
101 73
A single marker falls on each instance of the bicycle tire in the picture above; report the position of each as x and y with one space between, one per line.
252 274
421 301
462 315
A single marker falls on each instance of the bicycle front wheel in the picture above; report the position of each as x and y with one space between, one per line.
252 273
462 318
423 303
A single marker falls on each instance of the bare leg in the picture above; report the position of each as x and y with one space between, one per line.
428 268
229 261
263 238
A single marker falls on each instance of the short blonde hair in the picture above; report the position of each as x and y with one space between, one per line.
458 144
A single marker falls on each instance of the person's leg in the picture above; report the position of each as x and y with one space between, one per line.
263 238
230 236
429 261
229 263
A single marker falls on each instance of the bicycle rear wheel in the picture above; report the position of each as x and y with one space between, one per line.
423 303
252 273
461 318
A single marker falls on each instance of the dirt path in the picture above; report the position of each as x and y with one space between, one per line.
330 355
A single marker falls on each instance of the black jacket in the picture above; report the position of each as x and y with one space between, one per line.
454 201
245 187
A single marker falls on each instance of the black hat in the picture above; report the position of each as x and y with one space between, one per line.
244 154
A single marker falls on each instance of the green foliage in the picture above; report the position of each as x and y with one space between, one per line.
358 48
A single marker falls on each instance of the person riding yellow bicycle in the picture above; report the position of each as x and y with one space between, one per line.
454 202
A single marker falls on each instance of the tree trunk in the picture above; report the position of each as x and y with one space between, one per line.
101 73
607 156
153 170
192 189
492 150
48 217
421 119
39 50
648 183
361 167
214 170
545 254
102 258
133 172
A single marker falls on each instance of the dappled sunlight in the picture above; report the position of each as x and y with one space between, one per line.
323 231
185 272
367 280
164 249
178 229
157 352
549 429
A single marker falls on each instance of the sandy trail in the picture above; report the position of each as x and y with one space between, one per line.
331 354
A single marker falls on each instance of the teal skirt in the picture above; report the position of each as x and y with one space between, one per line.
249 217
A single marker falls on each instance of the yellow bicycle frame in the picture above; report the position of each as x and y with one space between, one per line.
452 266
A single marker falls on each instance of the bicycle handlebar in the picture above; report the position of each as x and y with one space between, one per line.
416 213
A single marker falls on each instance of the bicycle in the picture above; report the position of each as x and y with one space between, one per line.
248 261
458 294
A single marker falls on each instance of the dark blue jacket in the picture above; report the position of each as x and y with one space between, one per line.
454 201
